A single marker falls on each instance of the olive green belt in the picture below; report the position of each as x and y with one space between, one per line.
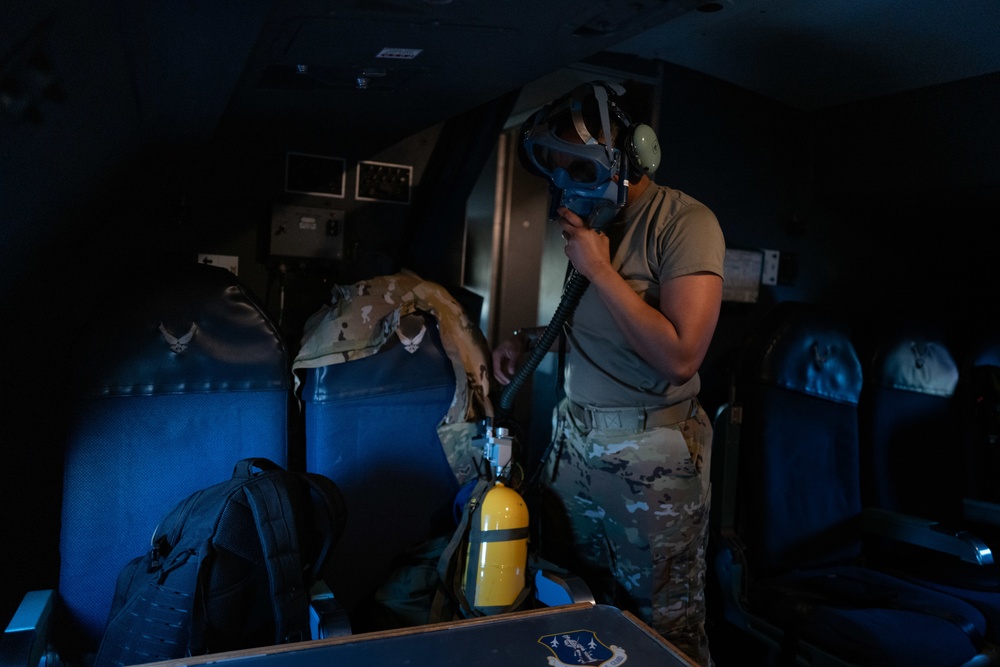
632 419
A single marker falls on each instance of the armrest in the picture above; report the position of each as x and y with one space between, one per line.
555 586
25 641
926 533
730 575
327 617
981 511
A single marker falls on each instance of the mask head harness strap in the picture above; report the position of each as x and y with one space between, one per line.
576 108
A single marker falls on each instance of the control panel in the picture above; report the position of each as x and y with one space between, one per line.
307 231
381 181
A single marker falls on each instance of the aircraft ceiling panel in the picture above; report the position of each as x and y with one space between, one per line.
321 62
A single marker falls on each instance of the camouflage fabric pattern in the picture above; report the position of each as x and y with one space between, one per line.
362 317
635 506
457 441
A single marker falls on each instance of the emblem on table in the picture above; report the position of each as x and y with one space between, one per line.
581 647
177 345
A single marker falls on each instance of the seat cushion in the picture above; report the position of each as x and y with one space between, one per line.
871 618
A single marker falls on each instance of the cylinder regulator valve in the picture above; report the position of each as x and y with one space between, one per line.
498 449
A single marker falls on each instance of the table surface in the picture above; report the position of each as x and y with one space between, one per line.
581 634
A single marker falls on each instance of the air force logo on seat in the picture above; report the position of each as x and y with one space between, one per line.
178 345
581 647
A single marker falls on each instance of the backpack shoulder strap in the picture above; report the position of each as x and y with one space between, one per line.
331 519
274 518
270 499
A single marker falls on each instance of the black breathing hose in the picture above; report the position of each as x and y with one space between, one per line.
573 290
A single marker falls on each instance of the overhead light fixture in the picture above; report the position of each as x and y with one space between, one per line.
396 53
365 76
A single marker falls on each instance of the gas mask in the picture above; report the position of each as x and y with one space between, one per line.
581 170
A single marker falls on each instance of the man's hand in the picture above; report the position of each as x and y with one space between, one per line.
505 358
588 250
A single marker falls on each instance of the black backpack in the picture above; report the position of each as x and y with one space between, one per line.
230 567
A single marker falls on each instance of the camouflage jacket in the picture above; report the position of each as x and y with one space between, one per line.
361 317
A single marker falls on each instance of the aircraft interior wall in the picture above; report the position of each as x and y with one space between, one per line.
879 209
876 208
913 181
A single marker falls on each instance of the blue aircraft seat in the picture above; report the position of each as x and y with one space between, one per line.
979 410
788 548
914 463
371 427
909 425
394 378
179 376
380 374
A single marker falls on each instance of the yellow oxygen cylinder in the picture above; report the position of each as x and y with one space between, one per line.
497 556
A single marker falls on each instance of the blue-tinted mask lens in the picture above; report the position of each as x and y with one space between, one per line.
586 165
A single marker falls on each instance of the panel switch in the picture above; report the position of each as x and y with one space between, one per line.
769 272
307 231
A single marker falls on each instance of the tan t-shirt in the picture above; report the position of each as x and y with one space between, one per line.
664 234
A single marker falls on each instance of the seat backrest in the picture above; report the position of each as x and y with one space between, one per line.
180 375
798 494
978 397
910 440
371 426
395 381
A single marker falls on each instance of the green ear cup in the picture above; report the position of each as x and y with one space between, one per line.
644 148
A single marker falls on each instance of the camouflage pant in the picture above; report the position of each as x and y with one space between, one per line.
634 507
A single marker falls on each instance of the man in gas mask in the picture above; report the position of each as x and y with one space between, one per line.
628 472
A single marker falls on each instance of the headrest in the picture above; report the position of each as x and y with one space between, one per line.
987 353
805 350
188 328
393 371
361 317
916 361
